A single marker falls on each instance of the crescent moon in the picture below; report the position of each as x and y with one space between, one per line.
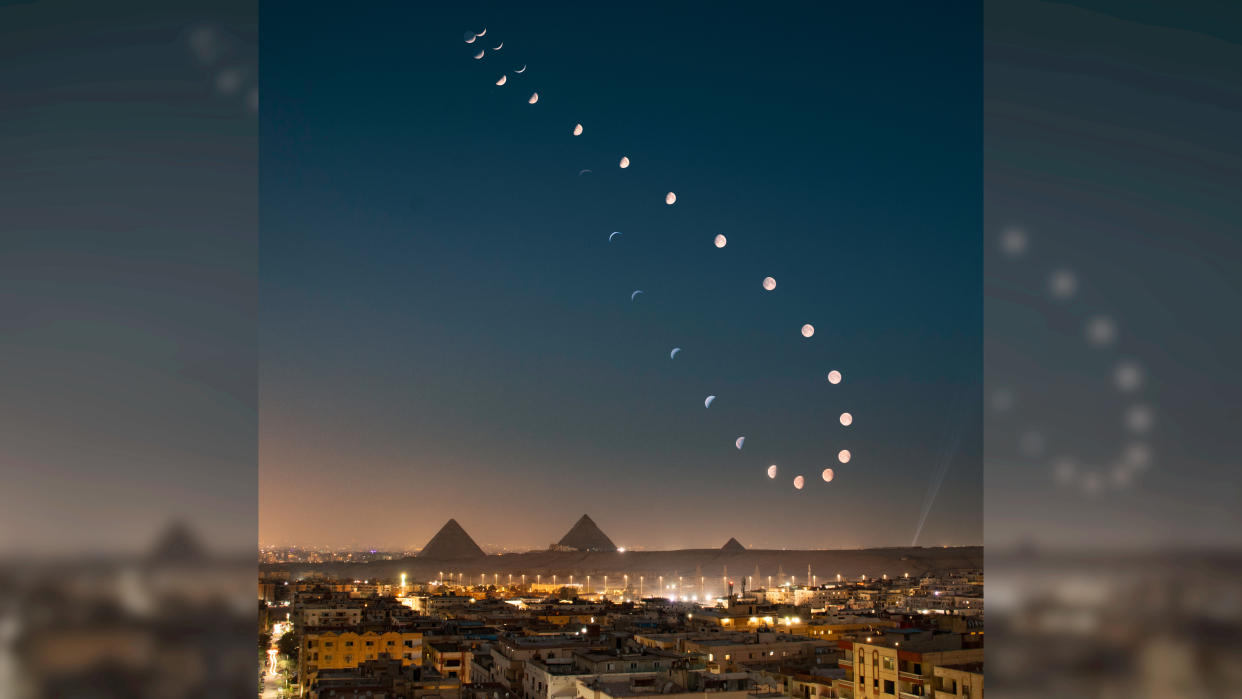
673 354
636 293
503 79
522 69
533 98
502 45
482 32
471 39
613 235
707 403
479 55
583 172
740 441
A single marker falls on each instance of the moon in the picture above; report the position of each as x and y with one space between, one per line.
521 70
847 419
808 330
772 471
798 481
636 293
843 456
721 241
613 235
502 45
834 377
583 172
769 283
577 129
533 98
707 402
828 475
479 55
482 32
625 162
470 37
503 79
673 354
670 198
739 442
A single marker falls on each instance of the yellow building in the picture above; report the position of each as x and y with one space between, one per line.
339 648
834 628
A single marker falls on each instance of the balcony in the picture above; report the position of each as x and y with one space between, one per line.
845 662
909 677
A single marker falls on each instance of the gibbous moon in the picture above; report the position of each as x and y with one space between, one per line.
503 79
721 241
670 198
808 330
847 419
739 442
707 403
636 293
844 456
625 162
828 475
533 98
479 55
673 354
578 130
769 283
613 235
798 481
772 471
834 377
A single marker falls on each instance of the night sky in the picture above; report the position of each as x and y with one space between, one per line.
445 330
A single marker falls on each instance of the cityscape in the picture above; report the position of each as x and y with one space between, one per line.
585 619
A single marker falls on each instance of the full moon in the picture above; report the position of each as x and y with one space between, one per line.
834 377
769 284
828 474
721 241
847 419
808 330
798 481
772 471
625 162
844 456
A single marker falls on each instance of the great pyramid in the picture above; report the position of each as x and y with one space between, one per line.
732 546
586 536
451 543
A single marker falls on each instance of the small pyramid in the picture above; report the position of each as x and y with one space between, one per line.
586 536
451 543
733 546
177 544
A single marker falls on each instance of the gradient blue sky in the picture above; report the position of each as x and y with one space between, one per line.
446 332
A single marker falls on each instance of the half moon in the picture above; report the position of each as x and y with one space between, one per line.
533 98
739 442
670 198
636 293
707 403
612 234
578 130
772 471
503 79
673 354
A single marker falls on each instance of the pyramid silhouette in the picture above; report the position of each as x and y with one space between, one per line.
586 536
451 543
732 546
